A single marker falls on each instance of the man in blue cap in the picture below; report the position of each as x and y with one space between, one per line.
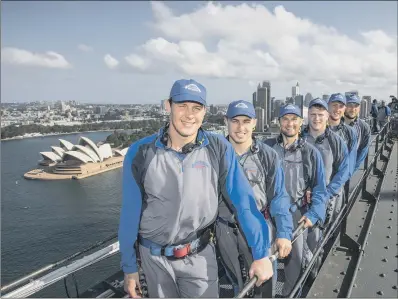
351 118
264 171
172 181
335 160
336 108
304 178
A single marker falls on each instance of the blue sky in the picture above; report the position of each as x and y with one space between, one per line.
120 28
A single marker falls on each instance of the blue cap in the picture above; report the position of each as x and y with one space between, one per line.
289 109
188 91
241 108
318 101
337 97
353 98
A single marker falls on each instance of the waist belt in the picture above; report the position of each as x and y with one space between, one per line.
181 250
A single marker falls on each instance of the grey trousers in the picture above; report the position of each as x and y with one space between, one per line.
190 277
299 256
230 249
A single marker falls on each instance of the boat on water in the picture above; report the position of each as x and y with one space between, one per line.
356 257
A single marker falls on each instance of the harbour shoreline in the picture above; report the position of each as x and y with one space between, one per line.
54 134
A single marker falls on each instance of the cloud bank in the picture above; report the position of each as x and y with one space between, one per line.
49 59
250 42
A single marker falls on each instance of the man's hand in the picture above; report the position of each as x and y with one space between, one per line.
284 247
262 269
131 282
307 195
307 222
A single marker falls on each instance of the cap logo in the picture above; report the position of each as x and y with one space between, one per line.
241 105
289 107
192 87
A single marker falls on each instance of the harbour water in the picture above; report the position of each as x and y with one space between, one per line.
45 221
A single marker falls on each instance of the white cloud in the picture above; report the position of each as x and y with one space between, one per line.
111 62
85 48
253 43
22 57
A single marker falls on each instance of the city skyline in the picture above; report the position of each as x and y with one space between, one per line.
132 52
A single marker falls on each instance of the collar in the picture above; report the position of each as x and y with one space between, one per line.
306 132
351 123
201 139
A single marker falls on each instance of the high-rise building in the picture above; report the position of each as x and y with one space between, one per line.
295 90
307 99
255 99
260 115
289 100
277 104
364 109
163 105
325 97
264 100
299 102
368 99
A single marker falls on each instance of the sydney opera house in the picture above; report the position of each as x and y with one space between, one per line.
77 161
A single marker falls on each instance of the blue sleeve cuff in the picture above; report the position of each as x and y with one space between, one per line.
130 269
311 217
284 235
260 253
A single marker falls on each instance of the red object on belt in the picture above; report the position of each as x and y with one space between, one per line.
181 252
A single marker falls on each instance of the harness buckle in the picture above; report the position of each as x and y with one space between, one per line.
182 251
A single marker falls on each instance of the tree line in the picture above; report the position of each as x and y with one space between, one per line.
20 130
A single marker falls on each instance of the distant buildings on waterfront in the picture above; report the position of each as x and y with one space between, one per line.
267 107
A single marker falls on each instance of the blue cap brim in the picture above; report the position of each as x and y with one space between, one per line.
188 98
241 114
289 112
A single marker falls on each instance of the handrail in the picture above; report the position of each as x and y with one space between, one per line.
54 276
54 265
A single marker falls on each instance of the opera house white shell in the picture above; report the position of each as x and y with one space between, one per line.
86 151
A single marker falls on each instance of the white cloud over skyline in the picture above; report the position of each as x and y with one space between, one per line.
251 43
85 48
21 57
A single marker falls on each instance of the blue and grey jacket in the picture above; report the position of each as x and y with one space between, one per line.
169 196
350 136
334 154
363 133
303 167
264 171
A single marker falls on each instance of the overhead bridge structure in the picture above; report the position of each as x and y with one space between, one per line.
357 257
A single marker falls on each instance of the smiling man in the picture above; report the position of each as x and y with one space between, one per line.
362 128
172 181
336 107
264 171
304 173
335 160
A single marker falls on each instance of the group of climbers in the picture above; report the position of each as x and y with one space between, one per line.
190 196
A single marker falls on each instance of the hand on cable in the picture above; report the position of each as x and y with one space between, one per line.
261 268
132 285
284 247
307 222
